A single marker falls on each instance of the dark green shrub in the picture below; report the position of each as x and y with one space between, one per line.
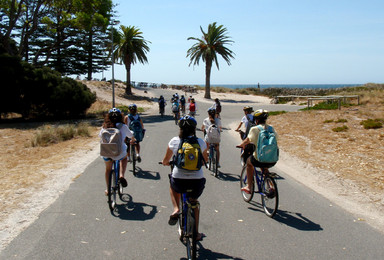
372 123
343 128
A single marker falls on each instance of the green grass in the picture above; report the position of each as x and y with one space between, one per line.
328 121
372 123
275 113
342 120
343 128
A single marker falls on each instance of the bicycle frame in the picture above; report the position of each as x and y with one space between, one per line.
187 225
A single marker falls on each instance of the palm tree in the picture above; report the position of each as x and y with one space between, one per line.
212 43
131 48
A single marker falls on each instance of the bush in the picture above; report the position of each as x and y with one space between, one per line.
343 128
372 123
41 92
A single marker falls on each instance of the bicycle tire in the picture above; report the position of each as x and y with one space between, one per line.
133 155
191 242
112 191
181 220
270 196
216 163
243 182
210 164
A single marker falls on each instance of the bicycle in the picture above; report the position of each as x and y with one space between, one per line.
133 158
212 160
187 222
114 186
267 188
176 116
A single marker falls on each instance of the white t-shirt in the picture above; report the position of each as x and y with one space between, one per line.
207 123
125 132
245 120
181 173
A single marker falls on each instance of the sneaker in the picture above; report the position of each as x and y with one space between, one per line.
138 158
218 165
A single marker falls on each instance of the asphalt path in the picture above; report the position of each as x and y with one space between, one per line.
79 224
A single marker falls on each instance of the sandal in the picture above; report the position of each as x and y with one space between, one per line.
173 219
200 236
244 189
123 182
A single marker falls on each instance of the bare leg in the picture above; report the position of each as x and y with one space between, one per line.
218 152
123 166
108 169
175 198
249 173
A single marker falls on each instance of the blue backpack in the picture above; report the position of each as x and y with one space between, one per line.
267 150
135 126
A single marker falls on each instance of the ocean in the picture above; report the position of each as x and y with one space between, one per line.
263 86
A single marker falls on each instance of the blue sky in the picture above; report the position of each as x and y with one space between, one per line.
275 41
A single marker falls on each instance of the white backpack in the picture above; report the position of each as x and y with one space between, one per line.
213 134
111 142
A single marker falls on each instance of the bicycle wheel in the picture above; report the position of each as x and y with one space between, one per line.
181 220
191 242
112 189
243 183
133 155
210 164
270 196
216 169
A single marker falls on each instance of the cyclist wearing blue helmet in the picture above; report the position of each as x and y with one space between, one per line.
114 119
182 180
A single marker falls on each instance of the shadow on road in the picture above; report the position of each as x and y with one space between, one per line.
296 220
134 211
150 175
228 177
204 253
156 118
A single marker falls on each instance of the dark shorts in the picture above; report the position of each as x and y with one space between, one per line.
260 164
185 185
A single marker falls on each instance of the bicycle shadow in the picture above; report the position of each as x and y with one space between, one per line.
204 253
150 175
295 220
134 211
228 177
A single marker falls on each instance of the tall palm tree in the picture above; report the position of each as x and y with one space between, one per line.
212 43
131 48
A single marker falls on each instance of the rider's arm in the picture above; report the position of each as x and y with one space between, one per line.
167 156
245 142
237 129
141 122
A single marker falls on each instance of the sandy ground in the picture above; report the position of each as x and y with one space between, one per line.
30 202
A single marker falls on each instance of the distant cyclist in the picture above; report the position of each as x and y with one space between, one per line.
248 117
136 125
260 116
207 123
182 180
162 105
192 107
175 108
182 104
114 119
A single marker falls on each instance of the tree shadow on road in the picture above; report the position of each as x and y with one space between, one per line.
130 210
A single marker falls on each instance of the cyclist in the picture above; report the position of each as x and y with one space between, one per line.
182 104
135 124
260 116
192 107
217 107
114 119
162 104
207 122
248 117
175 108
182 180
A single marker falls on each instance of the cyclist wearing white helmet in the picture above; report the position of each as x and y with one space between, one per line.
114 119
260 116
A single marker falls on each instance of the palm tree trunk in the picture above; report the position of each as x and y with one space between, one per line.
208 66
128 89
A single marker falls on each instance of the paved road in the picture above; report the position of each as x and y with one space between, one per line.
79 224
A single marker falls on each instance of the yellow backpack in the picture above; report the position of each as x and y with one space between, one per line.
189 156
